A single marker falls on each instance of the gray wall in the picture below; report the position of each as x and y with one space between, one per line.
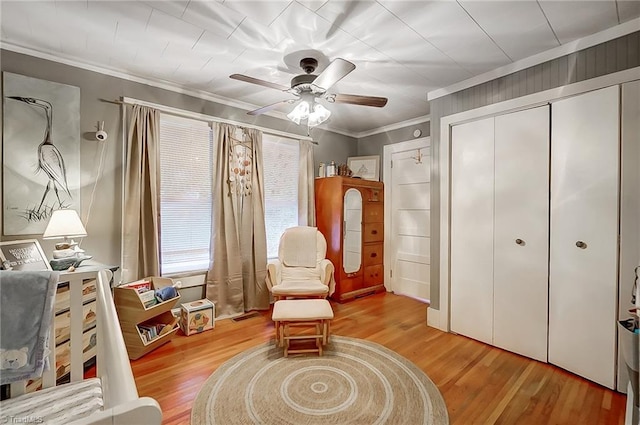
606 58
337 151
104 226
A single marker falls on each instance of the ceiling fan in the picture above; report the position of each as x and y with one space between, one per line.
308 87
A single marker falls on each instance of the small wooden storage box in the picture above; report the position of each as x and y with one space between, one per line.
197 316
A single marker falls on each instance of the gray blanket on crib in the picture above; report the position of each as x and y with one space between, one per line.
27 300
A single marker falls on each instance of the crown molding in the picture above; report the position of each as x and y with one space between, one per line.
395 126
383 129
162 84
565 49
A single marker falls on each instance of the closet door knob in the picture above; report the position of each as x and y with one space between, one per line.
520 242
581 245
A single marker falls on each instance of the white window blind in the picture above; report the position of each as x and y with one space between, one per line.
281 162
186 164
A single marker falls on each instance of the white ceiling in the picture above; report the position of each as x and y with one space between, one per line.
402 49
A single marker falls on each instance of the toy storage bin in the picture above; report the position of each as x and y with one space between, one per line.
136 316
197 316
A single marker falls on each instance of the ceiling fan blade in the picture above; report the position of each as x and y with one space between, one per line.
259 82
336 71
269 107
355 99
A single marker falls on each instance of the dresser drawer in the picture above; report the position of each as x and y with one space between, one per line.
373 232
349 285
373 212
372 254
373 275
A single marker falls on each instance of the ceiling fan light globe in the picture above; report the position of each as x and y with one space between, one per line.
319 115
300 112
313 120
293 117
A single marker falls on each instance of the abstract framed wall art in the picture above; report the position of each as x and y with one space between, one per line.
41 155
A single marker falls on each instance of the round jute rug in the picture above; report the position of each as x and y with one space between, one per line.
354 382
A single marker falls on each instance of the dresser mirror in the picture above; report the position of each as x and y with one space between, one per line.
352 231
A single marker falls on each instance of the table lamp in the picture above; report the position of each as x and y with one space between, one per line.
65 224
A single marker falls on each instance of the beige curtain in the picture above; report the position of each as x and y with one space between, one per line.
253 237
236 276
141 242
306 181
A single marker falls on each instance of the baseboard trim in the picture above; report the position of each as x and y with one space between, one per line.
433 318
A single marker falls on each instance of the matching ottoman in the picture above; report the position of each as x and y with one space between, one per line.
307 312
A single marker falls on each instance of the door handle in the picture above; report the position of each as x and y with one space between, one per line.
581 245
520 242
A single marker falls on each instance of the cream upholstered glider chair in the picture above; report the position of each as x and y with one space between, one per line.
301 270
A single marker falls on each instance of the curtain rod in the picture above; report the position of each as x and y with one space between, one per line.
203 117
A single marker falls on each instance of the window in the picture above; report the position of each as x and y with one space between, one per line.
186 179
186 185
281 164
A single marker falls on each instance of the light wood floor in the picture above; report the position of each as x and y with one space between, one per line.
480 384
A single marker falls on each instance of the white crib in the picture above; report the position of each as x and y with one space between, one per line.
111 398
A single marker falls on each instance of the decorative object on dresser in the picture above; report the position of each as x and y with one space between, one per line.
344 170
350 215
146 321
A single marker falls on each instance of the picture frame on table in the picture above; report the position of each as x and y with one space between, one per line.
365 167
26 254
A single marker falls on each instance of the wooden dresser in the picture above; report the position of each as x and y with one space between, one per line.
350 215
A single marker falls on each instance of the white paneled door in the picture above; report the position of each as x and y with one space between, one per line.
584 234
521 232
472 209
410 223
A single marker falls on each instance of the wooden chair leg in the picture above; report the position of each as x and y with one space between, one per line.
287 340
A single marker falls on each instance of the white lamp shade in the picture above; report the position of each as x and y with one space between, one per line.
319 115
64 224
300 112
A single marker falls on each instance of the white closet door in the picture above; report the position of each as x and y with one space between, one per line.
472 229
584 232
521 242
